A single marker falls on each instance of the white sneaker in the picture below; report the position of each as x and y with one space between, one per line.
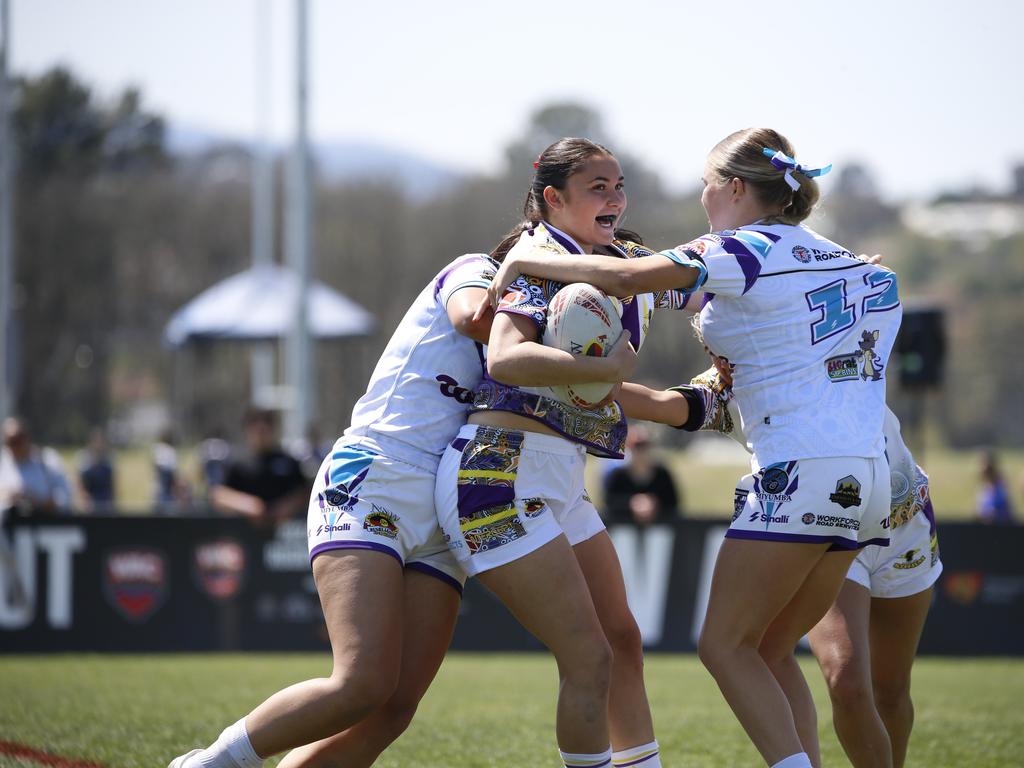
179 762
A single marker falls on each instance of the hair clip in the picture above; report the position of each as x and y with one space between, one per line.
782 161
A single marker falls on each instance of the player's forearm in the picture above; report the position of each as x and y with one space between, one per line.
660 406
530 364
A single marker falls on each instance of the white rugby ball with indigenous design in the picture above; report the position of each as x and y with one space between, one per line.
582 320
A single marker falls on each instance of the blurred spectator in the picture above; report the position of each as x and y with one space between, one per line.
266 483
32 479
641 490
994 504
96 473
214 456
310 451
172 492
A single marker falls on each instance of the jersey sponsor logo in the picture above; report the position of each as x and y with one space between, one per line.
909 559
332 528
767 518
832 521
847 493
806 255
843 367
450 388
219 567
381 522
135 582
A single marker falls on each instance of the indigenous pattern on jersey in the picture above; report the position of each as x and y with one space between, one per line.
909 482
422 387
908 566
503 493
808 328
602 431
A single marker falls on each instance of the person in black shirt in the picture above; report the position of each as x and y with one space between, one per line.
265 483
641 490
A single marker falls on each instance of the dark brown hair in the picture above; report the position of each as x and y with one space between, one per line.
555 165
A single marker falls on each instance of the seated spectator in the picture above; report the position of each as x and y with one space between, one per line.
266 484
994 505
641 490
96 473
32 479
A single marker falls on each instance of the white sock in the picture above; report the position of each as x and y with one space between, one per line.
600 760
644 756
232 749
799 760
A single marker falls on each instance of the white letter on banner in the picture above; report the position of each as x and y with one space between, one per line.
60 544
712 543
17 580
646 558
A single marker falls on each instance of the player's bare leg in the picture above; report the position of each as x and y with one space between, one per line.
841 644
547 593
366 635
895 630
361 595
431 607
629 713
752 584
777 646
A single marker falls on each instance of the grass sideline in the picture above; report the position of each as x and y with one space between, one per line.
483 709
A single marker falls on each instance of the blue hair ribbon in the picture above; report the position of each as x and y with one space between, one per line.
782 161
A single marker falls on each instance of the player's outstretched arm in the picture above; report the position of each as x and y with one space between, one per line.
616 277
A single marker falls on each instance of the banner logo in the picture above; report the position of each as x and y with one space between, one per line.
219 567
135 582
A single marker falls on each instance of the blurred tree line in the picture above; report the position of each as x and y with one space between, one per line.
113 234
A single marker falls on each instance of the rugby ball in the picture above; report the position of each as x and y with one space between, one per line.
582 320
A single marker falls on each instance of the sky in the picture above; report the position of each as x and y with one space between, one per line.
928 95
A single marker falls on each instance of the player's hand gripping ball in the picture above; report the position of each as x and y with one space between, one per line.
582 320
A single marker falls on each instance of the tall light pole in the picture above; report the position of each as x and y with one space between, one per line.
6 219
262 230
299 243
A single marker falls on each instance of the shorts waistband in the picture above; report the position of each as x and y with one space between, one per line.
533 441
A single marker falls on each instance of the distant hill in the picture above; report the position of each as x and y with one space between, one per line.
342 161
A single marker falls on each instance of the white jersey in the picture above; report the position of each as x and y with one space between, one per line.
421 390
808 327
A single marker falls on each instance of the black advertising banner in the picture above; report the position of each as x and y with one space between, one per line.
197 584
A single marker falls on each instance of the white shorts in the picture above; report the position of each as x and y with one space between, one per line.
503 493
364 500
909 565
840 501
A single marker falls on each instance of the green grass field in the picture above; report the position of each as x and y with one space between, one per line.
130 711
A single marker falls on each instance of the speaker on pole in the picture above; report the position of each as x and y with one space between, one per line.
921 348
